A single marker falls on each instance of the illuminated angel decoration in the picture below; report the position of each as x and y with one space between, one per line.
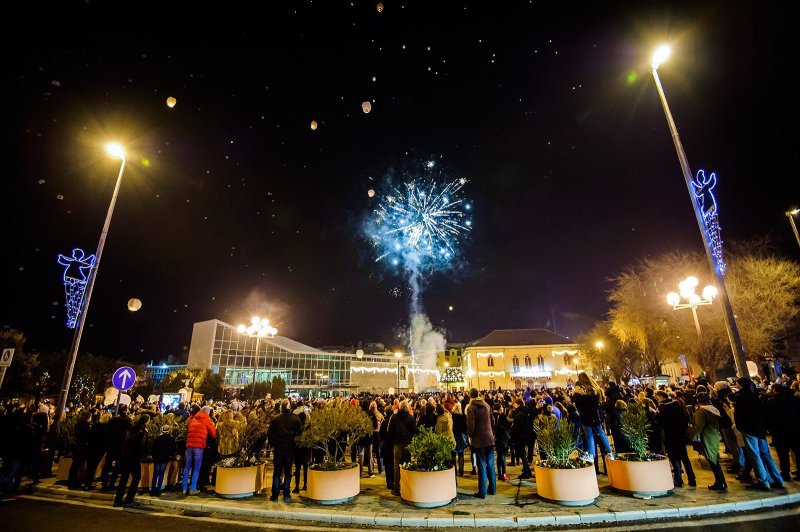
77 269
703 187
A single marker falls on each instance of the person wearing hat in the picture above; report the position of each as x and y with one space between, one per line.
164 450
706 424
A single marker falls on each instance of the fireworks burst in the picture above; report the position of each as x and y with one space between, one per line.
421 224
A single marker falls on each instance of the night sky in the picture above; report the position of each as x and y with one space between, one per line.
232 205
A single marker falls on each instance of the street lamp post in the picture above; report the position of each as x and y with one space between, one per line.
259 328
739 357
398 356
599 345
116 151
693 300
791 215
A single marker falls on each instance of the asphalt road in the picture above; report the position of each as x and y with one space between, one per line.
25 514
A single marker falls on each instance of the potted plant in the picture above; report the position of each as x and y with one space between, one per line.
334 429
641 473
429 479
66 441
563 474
242 474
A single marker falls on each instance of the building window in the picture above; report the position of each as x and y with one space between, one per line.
527 362
490 361
540 362
492 385
515 364
567 360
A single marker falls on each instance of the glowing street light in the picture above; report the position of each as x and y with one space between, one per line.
259 328
693 300
734 338
791 214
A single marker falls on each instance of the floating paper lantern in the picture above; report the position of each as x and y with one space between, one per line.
370 193
171 102
379 7
366 107
134 304
314 125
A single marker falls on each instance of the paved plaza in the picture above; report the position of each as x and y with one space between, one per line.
515 504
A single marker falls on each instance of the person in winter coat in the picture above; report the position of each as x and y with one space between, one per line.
133 450
387 451
587 397
228 429
460 434
706 424
428 418
376 417
164 450
302 456
95 448
401 429
199 428
783 422
116 433
79 448
522 435
752 423
502 439
479 430
673 420
283 429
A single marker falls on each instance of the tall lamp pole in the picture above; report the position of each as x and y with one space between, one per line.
116 151
398 356
791 215
259 328
739 357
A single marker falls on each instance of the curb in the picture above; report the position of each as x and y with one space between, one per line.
444 519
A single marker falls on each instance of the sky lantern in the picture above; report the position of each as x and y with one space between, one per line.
366 107
379 7
371 193
171 102
314 125
134 304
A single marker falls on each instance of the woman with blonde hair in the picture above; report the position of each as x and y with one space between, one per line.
587 397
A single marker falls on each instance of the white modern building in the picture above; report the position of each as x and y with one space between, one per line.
308 371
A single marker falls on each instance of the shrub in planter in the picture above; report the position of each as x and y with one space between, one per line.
428 479
641 472
238 474
563 474
334 429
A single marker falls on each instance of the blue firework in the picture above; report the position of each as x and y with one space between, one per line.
421 224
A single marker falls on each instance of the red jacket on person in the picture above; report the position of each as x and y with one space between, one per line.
200 425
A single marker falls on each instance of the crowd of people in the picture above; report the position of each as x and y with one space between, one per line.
490 430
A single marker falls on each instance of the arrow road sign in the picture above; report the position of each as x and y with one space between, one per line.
123 378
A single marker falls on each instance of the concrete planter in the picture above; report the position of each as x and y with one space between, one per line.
236 482
170 475
62 473
568 487
333 487
428 489
641 479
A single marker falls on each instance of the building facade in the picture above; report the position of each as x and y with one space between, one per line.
519 358
307 371
157 372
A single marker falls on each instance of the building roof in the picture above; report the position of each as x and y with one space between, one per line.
508 337
293 346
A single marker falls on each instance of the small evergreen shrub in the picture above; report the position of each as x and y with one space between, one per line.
635 426
558 445
334 429
430 452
